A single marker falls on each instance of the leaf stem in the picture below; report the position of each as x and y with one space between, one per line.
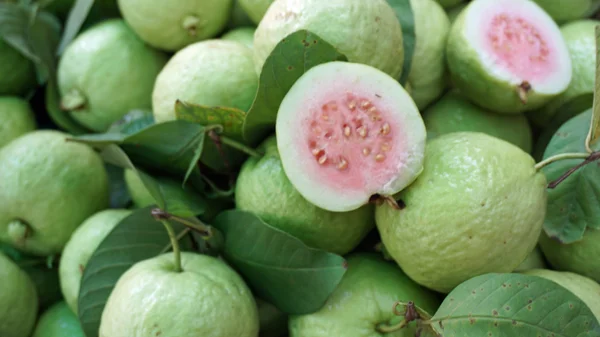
198 226
559 157
239 146
384 328
175 244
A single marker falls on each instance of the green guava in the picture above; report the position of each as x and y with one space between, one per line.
210 73
449 3
535 260
207 298
18 300
583 287
366 31
17 72
264 189
563 11
58 321
454 113
427 76
16 118
49 186
106 72
363 301
80 247
170 25
508 56
256 9
273 322
478 207
347 134
243 35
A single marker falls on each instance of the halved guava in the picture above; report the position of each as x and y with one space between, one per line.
347 132
508 55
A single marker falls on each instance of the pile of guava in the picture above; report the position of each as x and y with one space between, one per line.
299 168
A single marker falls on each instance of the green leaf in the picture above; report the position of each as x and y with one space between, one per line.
134 121
513 305
574 204
136 238
119 195
279 267
405 15
291 58
79 12
14 26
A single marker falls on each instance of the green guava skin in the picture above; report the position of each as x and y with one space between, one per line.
17 73
112 70
263 188
49 187
244 35
256 9
535 260
16 118
562 11
273 322
165 24
477 207
210 73
449 3
366 31
364 299
427 76
208 298
80 248
18 299
455 113
58 321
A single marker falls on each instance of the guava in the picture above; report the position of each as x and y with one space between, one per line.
449 3
17 72
16 118
106 72
273 322
535 260
210 73
363 301
243 35
563 11
583 287
171 25
477 208
366 31
58 321
207 298
256 9
508 55
347 132
455 113
49 186
80 247
427 76
264 189
18 300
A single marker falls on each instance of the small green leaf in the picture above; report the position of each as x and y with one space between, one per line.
79 12
134 121
279 267
291 58
574 204
513 305
406 17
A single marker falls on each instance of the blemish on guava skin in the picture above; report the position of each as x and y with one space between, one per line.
401 204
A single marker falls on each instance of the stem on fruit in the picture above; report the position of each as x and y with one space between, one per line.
560 157
191 24
410 314
175 244
73 100
523 90
18 231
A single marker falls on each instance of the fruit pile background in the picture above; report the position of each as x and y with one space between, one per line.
145 189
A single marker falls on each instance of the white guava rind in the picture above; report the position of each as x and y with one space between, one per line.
475 73
366 31
347 76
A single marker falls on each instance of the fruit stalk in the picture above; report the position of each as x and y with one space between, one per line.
175 244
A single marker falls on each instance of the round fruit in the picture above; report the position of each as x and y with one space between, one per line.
454 113
244 35
508 55
264 189
256 9
578 257
49 186
18 300
17 72
449 3
80 247
562 11
366 31
273 322
583 287
210 73
58 321
16 118
427 77
173 24
106 72
535 260
483 194
346 132
363 301
208 297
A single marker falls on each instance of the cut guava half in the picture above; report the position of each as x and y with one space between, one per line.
348 132
508 55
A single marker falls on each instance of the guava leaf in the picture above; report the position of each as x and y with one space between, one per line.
134 121
279 267
292 57
136 238
574 204
79 12
513 305
119 195
406 17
